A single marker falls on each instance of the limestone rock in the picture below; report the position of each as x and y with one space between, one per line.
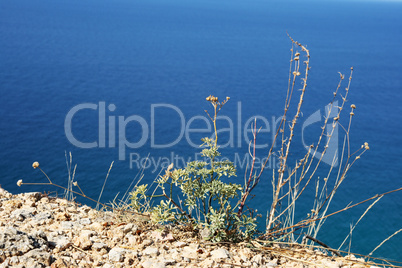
99 246
180 244
14 242
39 256
220 254
84 240
22 214
117 254
257 259
153 251
59 242
161 236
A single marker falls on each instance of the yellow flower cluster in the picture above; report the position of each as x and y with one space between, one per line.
212 98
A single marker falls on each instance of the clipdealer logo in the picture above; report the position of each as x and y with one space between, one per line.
109 132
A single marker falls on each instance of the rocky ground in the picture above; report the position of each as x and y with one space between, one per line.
40 231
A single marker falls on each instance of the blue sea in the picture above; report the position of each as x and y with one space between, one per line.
120 81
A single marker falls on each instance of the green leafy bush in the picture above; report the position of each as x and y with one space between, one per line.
206 202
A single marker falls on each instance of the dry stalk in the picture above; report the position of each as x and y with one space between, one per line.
305 223
385 240
285 150
81 193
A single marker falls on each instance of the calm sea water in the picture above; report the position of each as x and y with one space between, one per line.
154 62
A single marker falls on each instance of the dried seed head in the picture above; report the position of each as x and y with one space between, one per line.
297 54
35 164
358 157
19 183
170 167
296 58
227 98
75 183
296 73
366 146
353 106
352 113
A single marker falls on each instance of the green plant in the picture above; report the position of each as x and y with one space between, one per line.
207 200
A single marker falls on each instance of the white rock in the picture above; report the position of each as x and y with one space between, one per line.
207 263
147 242
220 254
117 254
39 256
330 264
151 251
4 193
151 264
132 240
147 264
84 209
84 240
258 259
351 257
130 228
67 225
36 196
62 242
190 251
98 246
161 236
168 261
97 227
158 265
175 254
85 221
43 216
244 254
180 244
22 214
78 255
